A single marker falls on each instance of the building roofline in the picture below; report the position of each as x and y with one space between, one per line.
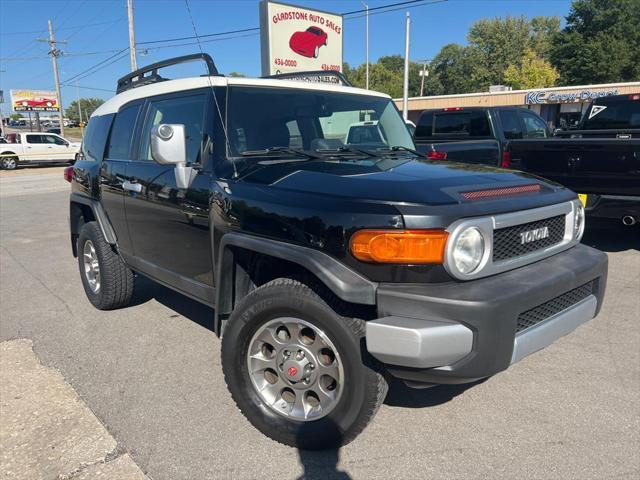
512 92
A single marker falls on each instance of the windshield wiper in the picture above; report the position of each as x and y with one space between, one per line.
346 150
400 148
279 151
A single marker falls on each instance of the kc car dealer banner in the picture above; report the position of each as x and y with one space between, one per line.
296 39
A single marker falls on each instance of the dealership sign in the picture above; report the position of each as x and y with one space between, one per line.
538 97
297 39
34 101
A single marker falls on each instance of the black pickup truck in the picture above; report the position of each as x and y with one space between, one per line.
602 165
333 261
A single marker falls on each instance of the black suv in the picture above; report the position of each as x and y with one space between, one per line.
332 266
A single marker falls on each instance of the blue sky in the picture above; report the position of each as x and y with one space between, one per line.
97 29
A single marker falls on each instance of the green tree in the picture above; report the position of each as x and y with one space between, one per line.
237 75
531 72
381 79
88 106
600 42
499 42
455 69
15 117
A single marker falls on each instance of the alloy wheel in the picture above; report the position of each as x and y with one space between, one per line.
295 369
91 266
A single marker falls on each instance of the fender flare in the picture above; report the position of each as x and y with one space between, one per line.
347 284
99 214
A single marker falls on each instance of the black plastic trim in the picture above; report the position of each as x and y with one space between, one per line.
100 215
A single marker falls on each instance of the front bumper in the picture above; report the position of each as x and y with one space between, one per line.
460 332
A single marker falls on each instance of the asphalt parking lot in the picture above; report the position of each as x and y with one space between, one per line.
151 374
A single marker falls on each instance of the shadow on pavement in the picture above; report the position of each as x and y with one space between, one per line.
402 396
147 289
611 236
320 464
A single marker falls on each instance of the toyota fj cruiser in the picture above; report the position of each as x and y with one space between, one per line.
332 266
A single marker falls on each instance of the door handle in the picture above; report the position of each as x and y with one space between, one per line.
132 187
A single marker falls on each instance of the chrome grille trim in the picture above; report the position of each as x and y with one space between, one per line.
488 224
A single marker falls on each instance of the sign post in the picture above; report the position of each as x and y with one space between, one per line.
298 39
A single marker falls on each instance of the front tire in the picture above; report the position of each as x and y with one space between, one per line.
106 279
325 391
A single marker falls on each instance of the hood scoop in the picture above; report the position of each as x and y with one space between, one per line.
501 192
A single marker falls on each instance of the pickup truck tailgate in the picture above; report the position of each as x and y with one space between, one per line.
602 166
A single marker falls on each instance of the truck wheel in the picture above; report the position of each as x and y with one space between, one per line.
106 279
297 370
9 163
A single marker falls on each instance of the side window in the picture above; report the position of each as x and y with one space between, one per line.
52 139
188 111
34 139
510 124
122 133
480 124
534 127
95 137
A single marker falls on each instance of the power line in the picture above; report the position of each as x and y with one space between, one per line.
31 32
96 65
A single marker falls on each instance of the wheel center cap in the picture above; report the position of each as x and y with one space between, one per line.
293 370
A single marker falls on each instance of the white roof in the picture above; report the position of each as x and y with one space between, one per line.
113 104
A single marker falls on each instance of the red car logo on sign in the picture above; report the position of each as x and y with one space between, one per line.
308 43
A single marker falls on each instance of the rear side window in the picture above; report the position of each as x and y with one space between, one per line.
35 139
614 115
447 124
95 137
510 124
469 123
122 133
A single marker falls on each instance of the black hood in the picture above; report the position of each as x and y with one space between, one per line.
395 180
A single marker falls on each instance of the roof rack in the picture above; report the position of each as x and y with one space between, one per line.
318 76
137 77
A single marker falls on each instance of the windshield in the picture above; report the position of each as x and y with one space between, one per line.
264 119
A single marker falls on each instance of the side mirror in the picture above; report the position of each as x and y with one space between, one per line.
168 147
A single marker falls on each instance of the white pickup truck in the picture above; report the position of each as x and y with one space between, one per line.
36 147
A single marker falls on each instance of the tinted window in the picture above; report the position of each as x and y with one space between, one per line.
53 139
34 139
452 123
95 137
122 133
188 111
510 124
614 115
534 126
425 125
295 137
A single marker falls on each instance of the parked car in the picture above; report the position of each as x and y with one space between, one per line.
333 264
34 148
54 130
308 42
604 171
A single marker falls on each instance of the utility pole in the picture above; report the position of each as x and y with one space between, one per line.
79 109
405 89
132 37
366 42
55 53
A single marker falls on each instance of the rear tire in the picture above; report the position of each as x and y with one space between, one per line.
106 279
357 394
9 163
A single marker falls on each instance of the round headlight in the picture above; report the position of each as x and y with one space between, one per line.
468 250
578 222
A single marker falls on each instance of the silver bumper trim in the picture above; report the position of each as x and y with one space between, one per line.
416 343
545 333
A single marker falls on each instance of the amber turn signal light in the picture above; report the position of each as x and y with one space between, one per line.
399 246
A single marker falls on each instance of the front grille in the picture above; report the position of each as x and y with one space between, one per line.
507 242
542 312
